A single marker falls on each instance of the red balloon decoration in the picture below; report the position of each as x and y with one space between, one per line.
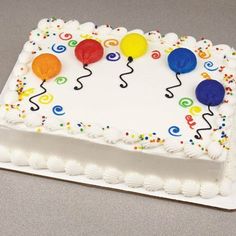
89 51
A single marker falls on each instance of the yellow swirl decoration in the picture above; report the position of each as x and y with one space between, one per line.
110 43
26 93
45 99
205 75
194 110
204 55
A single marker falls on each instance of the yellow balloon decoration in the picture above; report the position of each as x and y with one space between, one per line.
133 45
45 66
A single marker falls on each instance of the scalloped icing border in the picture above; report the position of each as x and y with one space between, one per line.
113 176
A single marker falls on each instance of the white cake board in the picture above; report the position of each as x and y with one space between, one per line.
224 203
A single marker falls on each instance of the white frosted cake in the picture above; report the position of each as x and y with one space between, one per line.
148 110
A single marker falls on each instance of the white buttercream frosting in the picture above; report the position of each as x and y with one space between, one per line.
226 110
192 151
37 161
93 171
94 131
57 24
172 186
2 112
153 36
30 46
130 137
209 189
190 188
172 145
44 24
53 124
112 176
36 35
73 167
75 128
72 24
119 31
153 183
137 31
55 164
225 187
25 57
231 99
171 38
20 69
204 44
19 158
231 63
11 97
12 84
134 180
87 27
112 135
230 171
33 120
214 150
165 44
13 117
104 29
4 154
188 42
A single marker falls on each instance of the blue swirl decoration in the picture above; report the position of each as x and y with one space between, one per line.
58 110
59 48
210 66
174 131
113 56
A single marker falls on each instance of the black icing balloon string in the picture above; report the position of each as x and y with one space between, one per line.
209 127
132 46
170 94
85 66
36 106
45 67
87 51
180 60
125 84
210 93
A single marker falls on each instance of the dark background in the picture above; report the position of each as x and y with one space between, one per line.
38 206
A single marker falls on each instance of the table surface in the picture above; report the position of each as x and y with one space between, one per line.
30 204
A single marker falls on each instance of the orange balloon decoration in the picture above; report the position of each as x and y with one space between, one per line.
45 66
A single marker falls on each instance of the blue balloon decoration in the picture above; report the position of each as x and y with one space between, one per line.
210 92
182 60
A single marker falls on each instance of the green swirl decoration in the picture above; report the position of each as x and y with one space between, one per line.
61 80
72 43
185 102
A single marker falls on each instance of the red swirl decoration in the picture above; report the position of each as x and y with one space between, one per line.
65 36
156 54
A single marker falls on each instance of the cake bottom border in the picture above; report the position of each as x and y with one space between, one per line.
224 203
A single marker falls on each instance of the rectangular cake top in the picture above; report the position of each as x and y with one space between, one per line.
133 90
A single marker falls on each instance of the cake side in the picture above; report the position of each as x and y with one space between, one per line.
168 146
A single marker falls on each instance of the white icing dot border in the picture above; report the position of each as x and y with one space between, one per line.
113 176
